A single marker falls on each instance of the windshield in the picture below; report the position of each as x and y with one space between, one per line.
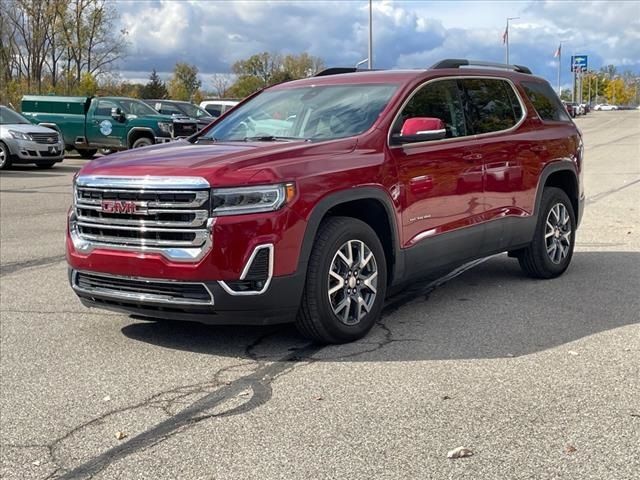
313 113
193 111
136 107
9 117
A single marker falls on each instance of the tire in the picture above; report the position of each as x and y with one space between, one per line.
107 151
5 157
541 259
317 318
142 142
87 153
44 166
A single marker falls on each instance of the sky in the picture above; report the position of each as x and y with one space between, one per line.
406 34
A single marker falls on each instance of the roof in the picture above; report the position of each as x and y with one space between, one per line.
54 98
402 76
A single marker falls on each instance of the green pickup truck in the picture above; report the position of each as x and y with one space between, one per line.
110 123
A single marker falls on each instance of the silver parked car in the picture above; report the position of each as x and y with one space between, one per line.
23 142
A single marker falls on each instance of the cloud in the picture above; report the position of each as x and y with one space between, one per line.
407 34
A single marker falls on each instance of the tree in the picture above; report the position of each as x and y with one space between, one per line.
264 69
221 84
185 82
155 88
618 93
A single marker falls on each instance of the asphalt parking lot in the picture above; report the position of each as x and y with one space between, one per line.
539 379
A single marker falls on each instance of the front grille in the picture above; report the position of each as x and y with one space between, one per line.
184 129
142 218
45 138
141 290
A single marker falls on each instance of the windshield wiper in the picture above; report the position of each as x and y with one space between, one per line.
271 138
203 140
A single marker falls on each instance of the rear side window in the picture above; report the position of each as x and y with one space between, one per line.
545 101
491 105
214 110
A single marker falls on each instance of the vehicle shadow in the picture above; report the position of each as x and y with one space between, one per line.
31 171
490 311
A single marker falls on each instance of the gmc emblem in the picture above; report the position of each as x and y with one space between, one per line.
119 206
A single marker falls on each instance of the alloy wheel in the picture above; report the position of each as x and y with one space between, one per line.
557 233
352 282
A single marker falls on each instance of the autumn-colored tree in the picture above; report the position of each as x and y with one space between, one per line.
185 82
264 69
618 93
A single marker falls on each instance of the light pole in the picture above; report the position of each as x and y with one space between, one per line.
370 58
506 33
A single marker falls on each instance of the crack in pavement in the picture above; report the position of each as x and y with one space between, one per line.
10 268
601 195
258 382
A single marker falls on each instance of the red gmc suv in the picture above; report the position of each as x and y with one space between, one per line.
312 200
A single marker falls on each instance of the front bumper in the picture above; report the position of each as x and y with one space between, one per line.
24 151
278 304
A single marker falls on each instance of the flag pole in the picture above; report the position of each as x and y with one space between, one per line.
506 33
559 67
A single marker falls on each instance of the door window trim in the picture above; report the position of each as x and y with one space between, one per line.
523 107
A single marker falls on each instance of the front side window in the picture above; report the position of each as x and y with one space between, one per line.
545 101
490 105
321 112
439 99
137 107
168 109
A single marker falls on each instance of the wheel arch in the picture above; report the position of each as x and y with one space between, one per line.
137 132
562 175
371 205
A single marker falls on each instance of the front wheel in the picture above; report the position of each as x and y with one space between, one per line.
5 157
142 142
551 250
346 282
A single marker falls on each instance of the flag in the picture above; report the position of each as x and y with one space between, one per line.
558 51
505 35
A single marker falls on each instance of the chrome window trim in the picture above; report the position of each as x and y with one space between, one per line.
466 137
245 272
138 297
147 182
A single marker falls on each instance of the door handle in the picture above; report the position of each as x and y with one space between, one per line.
472 157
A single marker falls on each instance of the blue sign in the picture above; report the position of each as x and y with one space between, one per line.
579 63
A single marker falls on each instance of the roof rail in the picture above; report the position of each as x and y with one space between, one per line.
461 62
335 71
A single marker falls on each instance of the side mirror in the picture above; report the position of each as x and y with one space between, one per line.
421 129
117 114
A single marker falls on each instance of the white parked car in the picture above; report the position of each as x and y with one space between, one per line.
605 107
218 107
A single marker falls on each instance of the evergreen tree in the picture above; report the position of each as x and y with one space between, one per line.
155 88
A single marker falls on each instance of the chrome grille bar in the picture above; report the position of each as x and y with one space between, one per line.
167 215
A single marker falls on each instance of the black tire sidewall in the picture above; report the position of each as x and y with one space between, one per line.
350 229
551 197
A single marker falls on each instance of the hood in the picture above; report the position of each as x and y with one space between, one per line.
27 128
150 118
220 163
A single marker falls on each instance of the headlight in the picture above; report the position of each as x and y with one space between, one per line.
20 135
264 198
166 127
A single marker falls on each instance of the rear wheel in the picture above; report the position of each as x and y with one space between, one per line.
5 157
551 250
346 282
87 152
